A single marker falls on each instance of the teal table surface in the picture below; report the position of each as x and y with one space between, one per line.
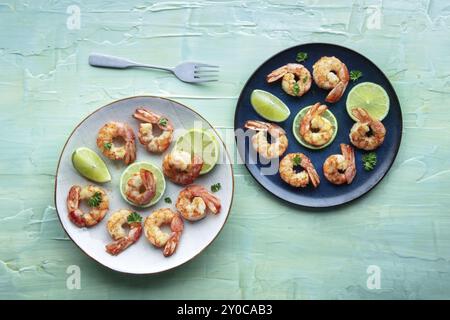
393 243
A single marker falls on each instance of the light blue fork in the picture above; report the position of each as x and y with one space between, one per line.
192 72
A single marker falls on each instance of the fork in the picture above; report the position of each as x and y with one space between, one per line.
193 72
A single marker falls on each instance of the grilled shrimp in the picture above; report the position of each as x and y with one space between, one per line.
340 168
315 129
260 142
194 201
141 187
367 133
182 168
159 238
296 79
302 178
330 73
97 200
125 228
105 142
148 135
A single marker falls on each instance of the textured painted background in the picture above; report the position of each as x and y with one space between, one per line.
267 249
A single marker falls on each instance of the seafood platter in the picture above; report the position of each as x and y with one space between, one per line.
143 185
322 125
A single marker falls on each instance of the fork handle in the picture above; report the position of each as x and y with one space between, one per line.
106 61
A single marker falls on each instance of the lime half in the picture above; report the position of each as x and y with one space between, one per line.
269 106
90 165
157 174
200 142
369 96
296 127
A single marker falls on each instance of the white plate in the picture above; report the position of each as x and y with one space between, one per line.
142 257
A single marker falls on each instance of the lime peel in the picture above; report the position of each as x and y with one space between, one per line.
369 96
268 106
195 138
89 164
157 173
296 127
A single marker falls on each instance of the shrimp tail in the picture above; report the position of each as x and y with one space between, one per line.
256 125
130 146
337 92
362 115
172 244
177 227
116 247
306 121
197 163
348 153
212 202
130 153
276 74
145 116
312 173
73 201
76 216
149 183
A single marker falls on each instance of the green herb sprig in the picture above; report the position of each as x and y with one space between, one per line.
107 145
167 200
163 122
297 160
216 187
369 161
301 56
134 217
355 75
296 88
95 200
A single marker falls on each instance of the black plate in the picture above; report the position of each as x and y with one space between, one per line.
327 194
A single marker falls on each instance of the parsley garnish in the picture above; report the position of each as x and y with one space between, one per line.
216 187
107 145
163 122
301 56
134 217
167 200
95 200
369 161
297 160
296 88
355 75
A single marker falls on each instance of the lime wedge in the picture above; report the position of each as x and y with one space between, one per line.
90 165
200 142
296 127
157 174
269 106
369 96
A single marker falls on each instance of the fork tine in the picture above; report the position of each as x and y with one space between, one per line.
201 71
199 80
205 76
200 65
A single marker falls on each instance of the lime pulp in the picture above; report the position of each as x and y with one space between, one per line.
269 106
296 128
369 96
90 165
200 142
157 174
